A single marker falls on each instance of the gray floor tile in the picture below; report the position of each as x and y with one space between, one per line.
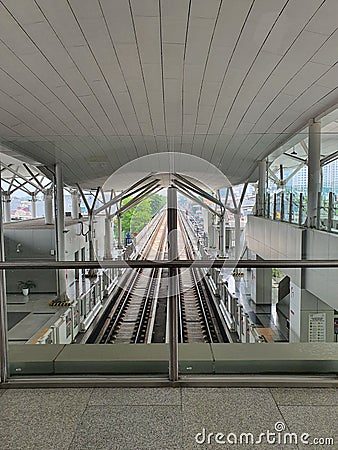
129 428
317 421
229 411
53 428
231 396
306 396
136 396
55 397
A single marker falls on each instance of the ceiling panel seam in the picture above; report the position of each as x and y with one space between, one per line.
267 78
246 75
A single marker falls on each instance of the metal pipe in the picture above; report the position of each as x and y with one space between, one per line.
290 208
330 212
250 381
181 263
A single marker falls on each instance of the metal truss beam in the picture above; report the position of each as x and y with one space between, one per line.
197 200
197 190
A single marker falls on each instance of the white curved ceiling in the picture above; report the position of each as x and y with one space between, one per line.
97 83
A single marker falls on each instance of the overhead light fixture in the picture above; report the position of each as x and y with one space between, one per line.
293 152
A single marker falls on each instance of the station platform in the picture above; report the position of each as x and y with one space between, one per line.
29 317
270 322
162 418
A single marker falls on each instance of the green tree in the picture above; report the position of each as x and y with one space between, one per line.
125 218
141 216
157 202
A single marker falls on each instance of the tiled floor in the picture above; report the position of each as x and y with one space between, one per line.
165 418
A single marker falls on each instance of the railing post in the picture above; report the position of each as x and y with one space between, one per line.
319 206
290 208
300 209
274 206
330 212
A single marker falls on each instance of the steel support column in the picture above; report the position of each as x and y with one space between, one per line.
314 173
3 305
173 283
60 227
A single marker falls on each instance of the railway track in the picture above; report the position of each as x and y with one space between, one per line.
197 319
130 318
139 312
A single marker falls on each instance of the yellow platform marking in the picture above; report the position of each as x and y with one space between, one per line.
42 332
267 333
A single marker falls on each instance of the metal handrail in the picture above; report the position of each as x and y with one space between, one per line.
147 263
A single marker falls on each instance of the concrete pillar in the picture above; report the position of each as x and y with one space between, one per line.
34 200
107 238
261 187
48 198
261 284
75 204
314 173
261 288
60 227
7 207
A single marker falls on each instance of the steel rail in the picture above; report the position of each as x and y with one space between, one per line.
210 328
148 299
108 331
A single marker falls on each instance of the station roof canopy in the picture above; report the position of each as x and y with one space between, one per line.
95 84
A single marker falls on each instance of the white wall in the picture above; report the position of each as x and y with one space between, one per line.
278 240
